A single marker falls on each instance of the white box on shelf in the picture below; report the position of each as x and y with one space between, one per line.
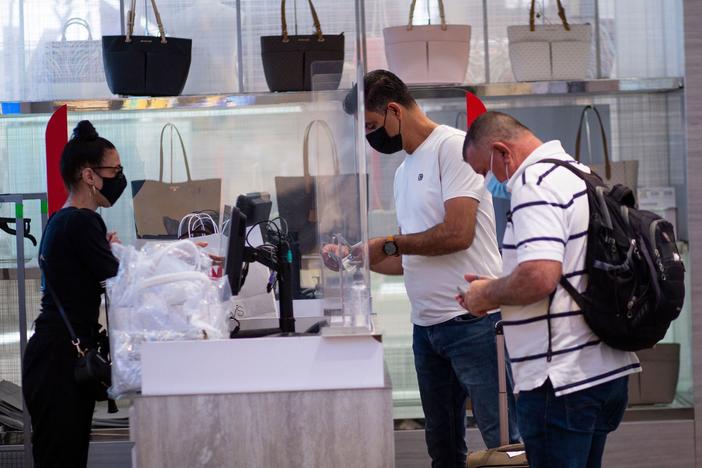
660 200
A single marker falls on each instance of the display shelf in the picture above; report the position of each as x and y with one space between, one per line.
552 88
490 90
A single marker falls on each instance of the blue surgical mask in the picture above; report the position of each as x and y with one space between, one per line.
495 187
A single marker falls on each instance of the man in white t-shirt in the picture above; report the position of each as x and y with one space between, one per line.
572 387
447 225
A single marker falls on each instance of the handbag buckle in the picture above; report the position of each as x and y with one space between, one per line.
76 343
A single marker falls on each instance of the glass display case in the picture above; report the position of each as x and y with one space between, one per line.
235 131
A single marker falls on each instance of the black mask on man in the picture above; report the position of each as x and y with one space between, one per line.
112 187
384 143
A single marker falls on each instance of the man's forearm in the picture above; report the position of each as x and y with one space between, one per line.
439 240
524 286
388 266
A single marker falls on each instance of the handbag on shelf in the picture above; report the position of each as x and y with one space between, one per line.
160 206
302 62
320 205
146 65
428 54
74 61
550 51
612 173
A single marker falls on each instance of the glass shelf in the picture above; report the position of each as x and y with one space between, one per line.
490 90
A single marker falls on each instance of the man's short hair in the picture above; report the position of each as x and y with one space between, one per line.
493 126
380 87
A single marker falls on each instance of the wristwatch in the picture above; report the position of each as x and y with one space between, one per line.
390 247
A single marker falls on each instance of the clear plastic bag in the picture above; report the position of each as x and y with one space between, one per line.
161 293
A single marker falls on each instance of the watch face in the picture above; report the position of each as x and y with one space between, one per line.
390 248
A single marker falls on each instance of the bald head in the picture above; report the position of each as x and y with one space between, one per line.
498 142
493 126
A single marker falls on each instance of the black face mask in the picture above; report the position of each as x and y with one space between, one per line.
384 143
112 187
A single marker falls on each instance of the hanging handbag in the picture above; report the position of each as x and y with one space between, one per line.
159 206
304 62
550 51
145 65
321 205
612 173
428 54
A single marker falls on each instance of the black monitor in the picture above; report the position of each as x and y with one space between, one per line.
255 206
235 249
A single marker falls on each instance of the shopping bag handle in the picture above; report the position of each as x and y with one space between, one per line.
182 147
315 19
306 152
442 15
79 22
561 14
583 116
131 16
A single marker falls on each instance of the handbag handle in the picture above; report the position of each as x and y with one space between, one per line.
131 16
182 147
79 22
306 152
561 14
315 19
442 15
583 115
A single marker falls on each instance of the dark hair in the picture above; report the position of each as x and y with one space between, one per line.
495 126
380 87
85 149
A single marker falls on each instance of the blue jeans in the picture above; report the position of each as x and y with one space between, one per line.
570 431
454 360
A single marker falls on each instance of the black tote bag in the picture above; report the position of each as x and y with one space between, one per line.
146 65
289 62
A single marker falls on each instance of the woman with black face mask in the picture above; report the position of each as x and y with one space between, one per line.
76 259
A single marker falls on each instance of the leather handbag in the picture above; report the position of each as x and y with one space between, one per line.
550 51
304 62
612 173
146 65
428 54
159 206
321 205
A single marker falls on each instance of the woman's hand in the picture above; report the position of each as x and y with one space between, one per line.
112 238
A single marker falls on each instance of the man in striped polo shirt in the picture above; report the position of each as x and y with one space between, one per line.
572 387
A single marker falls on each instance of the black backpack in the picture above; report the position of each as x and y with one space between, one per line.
635 274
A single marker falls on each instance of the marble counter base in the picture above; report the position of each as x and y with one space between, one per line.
333 428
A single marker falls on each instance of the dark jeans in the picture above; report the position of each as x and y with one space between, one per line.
61 409
455 360
570 431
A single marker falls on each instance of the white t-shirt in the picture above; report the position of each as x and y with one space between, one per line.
427 178
548 221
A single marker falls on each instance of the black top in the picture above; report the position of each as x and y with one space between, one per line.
77 259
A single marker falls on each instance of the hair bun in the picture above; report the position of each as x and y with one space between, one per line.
85 131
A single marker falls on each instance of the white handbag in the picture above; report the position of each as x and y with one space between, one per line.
428 54
550 51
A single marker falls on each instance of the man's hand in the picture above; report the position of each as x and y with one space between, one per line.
476 300
332 254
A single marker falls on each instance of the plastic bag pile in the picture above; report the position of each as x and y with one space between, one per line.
162 292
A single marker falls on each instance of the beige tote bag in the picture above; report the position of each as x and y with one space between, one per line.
428 54
550 51
612 173
159 206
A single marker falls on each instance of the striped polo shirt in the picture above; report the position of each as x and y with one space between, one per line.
548 221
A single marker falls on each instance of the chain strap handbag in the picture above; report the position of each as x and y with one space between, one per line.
428 54
550 51
146 65
302 62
